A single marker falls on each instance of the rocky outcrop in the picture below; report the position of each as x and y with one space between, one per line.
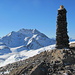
54 62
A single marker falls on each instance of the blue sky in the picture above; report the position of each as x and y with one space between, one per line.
35 14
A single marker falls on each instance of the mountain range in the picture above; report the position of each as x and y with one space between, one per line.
22 44
31 52
30 38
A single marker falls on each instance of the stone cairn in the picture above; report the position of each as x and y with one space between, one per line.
62 39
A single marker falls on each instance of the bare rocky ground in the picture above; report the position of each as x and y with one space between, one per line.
54 62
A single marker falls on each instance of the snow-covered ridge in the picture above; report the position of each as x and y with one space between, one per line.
29 32
22 44
21 55
4 49
27 37
17 56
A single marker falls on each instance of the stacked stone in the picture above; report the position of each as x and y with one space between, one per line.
62 39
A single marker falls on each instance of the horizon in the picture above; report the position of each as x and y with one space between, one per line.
35 14
39 31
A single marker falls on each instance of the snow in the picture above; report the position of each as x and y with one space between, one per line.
4 49
25 37
5 72
65 73
22 44
72 42
18 49
22 55
17 56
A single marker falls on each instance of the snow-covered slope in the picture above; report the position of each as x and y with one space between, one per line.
31 38
4 49
17 56
13 39
23 44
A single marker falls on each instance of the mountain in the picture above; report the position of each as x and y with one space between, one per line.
29 52
4 49
47 62
30 38
71 39
22 55
23 44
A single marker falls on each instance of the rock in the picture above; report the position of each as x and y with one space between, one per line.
62 39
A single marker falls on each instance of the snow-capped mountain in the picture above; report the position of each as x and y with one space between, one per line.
31 38
23 44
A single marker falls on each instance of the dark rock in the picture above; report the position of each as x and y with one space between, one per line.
62 39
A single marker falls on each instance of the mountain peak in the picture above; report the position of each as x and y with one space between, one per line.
29 31
11 33
24 36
